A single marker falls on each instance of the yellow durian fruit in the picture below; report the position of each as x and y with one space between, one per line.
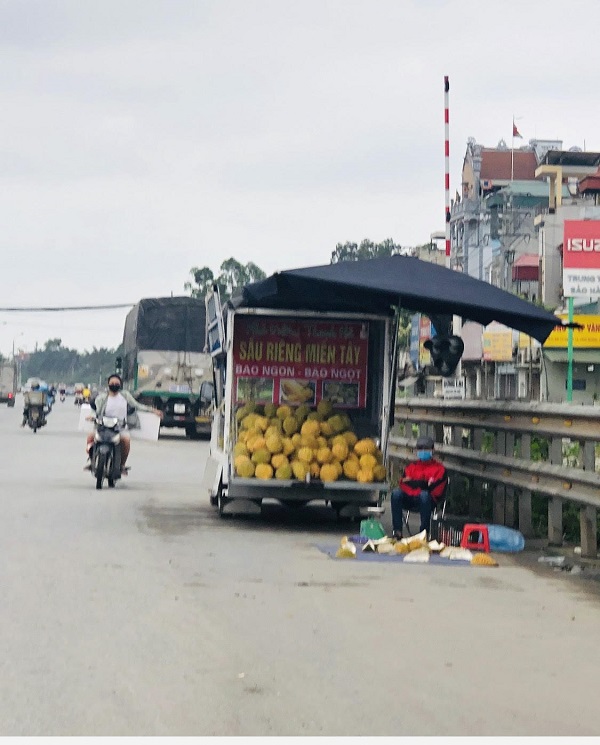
274 443
240 449
328 472
284 472
305 454
249 421
261 456
244 467
278 460
302 412
272 430
297 440
262 423
368 461
364 475
340 450
322 442
288 446
379 473
314 416
244 435
338 466
257 442
337 424
326 429
325 408
351 468
283 412
351 438
315 469
323 455
270 410
365 447
264 471
299 469
290 425
308 441
310 428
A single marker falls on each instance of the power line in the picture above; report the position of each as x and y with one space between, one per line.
67 308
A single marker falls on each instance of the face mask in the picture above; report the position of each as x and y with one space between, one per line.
424 454
114 387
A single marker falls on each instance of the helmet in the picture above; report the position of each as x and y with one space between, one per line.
35 384
425 443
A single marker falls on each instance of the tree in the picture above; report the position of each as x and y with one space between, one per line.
204 279
232 276
366 250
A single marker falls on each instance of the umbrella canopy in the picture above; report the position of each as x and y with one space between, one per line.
380 285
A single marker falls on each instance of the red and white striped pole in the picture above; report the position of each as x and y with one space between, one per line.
447 158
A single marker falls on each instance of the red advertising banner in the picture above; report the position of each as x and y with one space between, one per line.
581 258
300 361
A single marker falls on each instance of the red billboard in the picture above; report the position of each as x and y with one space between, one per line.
581 258
300 361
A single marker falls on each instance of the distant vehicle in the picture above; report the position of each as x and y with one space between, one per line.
8 383
70 390
165 363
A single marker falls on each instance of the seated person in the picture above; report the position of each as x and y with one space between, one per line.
423 484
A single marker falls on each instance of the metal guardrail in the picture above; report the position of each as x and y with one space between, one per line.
459 429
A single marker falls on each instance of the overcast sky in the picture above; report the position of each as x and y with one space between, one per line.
143 137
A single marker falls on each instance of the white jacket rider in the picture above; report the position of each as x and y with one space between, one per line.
115 404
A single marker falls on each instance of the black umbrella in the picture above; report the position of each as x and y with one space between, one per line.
380 285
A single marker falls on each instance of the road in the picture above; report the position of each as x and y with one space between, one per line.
137 611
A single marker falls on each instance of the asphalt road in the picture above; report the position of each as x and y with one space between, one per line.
137 611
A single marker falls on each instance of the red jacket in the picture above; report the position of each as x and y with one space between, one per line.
420 473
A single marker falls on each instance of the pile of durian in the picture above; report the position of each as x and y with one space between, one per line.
303 443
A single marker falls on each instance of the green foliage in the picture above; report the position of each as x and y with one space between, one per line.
57 364
232 276
365 250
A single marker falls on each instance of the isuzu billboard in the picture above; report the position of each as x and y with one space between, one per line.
581 258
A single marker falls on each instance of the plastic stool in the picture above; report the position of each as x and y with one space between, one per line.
483 544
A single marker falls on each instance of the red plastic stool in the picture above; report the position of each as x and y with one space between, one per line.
483 544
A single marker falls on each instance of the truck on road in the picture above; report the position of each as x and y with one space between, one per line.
165 365
8 383
302 407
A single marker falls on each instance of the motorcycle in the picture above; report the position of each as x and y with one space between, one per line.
78 400
35 402
62 398
106 451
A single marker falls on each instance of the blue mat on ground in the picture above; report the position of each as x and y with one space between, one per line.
388 558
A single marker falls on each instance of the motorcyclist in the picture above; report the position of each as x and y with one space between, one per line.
116 403
50 393
35 386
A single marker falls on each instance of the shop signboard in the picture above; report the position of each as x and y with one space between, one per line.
453 388
581 258
300 361
414 340
497 342
587 337
425 332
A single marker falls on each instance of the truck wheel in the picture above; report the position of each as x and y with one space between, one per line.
11 403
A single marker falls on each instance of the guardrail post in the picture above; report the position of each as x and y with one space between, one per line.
555 504
499 500
588 526
509 504
588 523
525 516
476 491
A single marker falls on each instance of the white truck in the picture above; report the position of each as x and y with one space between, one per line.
165 364
8 383
318 378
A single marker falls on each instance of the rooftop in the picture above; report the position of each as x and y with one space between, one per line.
571 158
499 165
